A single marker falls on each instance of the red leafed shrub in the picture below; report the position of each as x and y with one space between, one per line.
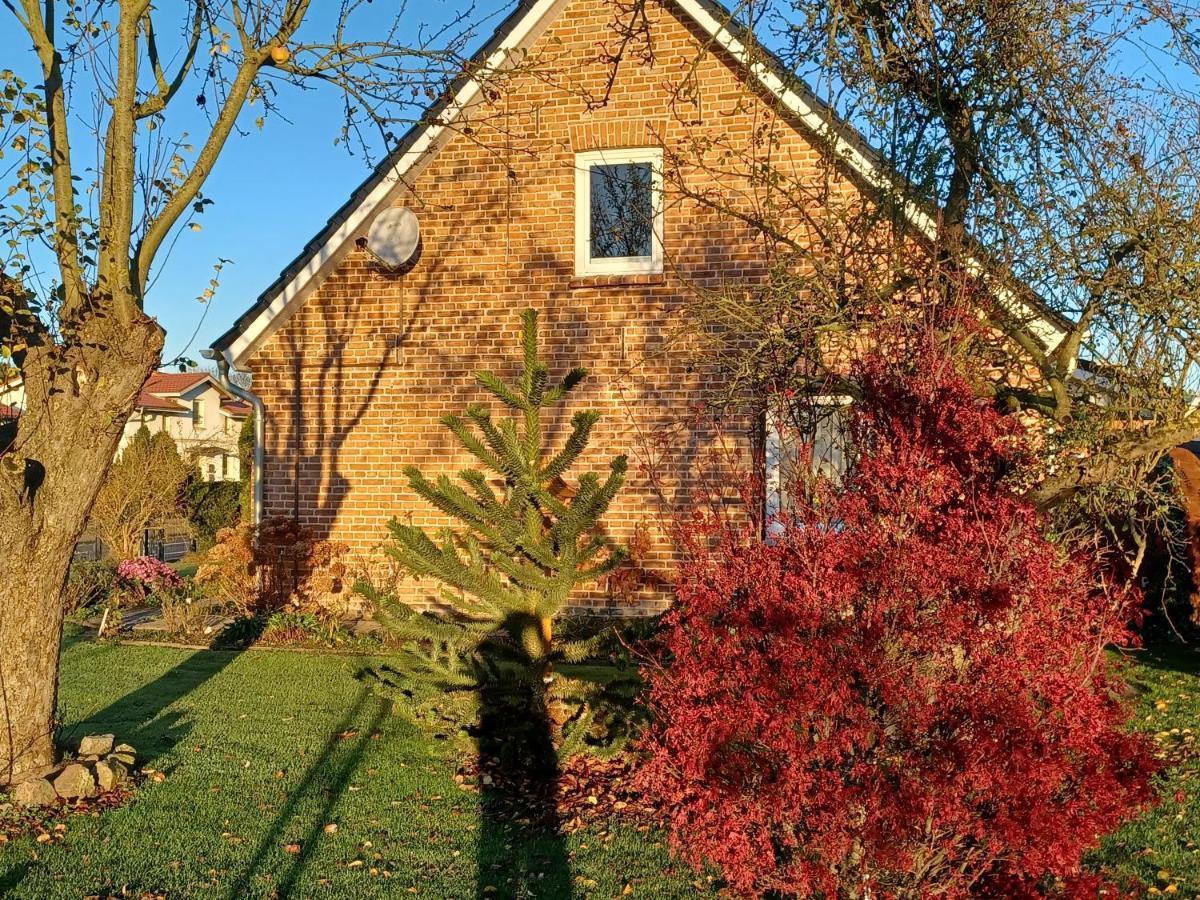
906 693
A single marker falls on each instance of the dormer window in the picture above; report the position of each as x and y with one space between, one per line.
618 212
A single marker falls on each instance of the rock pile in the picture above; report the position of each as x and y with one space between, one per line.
99 766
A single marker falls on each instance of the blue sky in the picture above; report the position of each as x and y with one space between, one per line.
272 189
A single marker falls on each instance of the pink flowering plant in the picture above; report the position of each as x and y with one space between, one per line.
145 578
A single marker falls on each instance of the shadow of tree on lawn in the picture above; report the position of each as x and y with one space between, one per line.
140 718
521 850
330 773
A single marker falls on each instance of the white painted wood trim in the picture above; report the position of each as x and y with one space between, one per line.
585 265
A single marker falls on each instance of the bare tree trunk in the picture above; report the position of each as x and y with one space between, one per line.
77 402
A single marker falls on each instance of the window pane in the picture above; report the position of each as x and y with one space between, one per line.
829 434
622 210
825 430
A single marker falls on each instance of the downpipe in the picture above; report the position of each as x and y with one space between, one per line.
260 428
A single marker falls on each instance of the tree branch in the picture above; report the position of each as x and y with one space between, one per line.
158 101
66 248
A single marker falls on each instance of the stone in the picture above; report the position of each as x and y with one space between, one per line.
118 766
34 792
125 754
96 745
74 781
107 776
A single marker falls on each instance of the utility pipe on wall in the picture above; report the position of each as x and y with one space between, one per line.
260 427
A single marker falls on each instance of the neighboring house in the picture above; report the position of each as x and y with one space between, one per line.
204 419
521 191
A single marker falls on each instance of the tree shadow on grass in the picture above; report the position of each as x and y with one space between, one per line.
139 717
330 773
521 850
10 879
1167 657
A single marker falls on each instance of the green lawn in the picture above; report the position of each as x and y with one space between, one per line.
263 749
1162 848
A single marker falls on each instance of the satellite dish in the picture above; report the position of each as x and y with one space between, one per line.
393 236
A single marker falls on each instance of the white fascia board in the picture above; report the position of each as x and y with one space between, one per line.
272 316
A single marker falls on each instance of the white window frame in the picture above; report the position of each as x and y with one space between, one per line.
773 452
585 265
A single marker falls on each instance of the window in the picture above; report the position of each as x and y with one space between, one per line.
618 212
198 413
822 425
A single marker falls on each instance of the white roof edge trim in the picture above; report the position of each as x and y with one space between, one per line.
261 327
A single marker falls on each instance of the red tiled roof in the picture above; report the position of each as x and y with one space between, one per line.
9 412
172 382
235 407
146 400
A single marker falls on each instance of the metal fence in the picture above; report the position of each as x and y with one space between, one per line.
168 542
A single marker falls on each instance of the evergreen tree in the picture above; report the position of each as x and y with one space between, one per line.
523 541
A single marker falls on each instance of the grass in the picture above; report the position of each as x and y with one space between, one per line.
263 749
1161 849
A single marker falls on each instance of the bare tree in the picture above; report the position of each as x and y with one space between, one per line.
115 77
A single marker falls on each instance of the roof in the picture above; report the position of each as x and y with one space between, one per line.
147 400
173 382
9 412
236 408
276 303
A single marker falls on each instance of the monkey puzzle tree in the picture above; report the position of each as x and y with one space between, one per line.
525 540
114 84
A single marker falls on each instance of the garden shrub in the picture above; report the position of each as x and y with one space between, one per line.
228 571
276 566
907 692
296 628
211 506
144 579
182 611
89 583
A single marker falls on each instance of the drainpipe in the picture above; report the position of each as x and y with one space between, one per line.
260 427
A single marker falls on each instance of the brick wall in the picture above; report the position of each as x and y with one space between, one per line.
355 381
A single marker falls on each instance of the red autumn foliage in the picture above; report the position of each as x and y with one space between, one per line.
906 693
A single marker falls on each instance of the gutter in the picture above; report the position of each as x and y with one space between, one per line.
260 426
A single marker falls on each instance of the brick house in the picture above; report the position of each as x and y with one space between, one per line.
511 178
